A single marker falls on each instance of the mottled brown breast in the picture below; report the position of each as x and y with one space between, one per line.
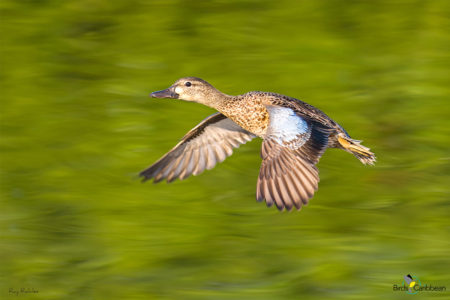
248 111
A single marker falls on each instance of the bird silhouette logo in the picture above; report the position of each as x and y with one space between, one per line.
410 282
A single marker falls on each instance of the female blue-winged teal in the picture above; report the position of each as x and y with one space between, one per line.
295 135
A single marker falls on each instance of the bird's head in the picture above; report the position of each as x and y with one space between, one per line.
190 89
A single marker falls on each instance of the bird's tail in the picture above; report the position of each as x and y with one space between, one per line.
354 147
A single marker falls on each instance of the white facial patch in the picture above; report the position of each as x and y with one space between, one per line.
179 90
286 127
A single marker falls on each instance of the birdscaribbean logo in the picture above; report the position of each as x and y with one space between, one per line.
412 285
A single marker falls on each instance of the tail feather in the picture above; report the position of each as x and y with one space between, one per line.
354 147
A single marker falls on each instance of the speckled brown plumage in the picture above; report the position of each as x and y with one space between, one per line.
295 136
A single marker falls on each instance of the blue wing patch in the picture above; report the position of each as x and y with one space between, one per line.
287 128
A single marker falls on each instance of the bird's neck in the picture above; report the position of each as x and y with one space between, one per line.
220 101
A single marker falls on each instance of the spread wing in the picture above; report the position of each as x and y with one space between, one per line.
288 176
207 144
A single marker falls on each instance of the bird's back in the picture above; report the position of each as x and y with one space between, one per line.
249 111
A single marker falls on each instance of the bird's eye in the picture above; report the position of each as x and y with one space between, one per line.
188 83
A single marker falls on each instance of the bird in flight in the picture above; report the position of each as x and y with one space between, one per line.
295 135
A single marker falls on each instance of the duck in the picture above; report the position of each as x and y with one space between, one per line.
294 137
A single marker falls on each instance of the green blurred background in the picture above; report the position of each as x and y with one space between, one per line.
77 126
